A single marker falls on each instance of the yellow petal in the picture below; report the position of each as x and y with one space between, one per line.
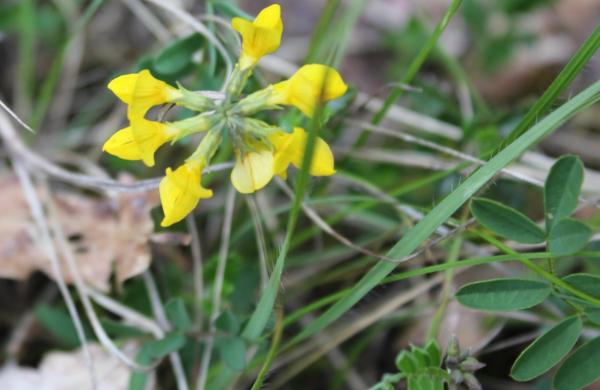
148 92
261 37
123 145
123 86
309 86
149 136
291 147
252 171
180 192
283 144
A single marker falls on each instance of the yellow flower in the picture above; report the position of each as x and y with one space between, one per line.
308 87
261 37
180 192
252 170
289 149
139 141
141 91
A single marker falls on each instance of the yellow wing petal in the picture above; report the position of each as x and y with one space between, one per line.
252 172
309 86
149 136
123 86
322 159
283 144
180 192
123 145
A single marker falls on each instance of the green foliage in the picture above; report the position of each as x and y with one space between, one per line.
588 283
580 369
547 350
231 346
420 367
177 315
568 236
560 83
503 294
562 188
593 314
58 322
176 59
232 351
119 330
152 351
506 221
447 207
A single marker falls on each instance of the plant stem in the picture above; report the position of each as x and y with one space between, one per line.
453 255
539 270
413 68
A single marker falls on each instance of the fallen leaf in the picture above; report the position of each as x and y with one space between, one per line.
67 371
103 234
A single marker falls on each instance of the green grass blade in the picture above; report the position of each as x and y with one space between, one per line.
262 313
450 204
565 77
414 67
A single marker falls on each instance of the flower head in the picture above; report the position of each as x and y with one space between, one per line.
290 148
180 192
308 87
139 141
141 91
261 150
252 170
261 37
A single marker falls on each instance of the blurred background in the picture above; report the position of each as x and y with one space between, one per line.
491 64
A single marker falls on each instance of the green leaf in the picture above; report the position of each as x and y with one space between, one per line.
228 323
547 350
562 189
406 363
178 315
59 323
233 352
580 369
588 283
503 294
447 207
568 236
421 356
152 351
170 343
119 330
435 355
230 10
176 58
593 315
506 222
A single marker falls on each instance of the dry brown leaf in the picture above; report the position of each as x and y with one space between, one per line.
103 235
67 371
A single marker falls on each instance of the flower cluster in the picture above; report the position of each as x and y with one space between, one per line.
261 150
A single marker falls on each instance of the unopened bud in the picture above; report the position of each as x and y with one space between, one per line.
471 364
471 382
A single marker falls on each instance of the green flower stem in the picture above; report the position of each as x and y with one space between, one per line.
413 68
539 270
208 146
194 100
272 351
236 83
453 256
193 125
255 102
